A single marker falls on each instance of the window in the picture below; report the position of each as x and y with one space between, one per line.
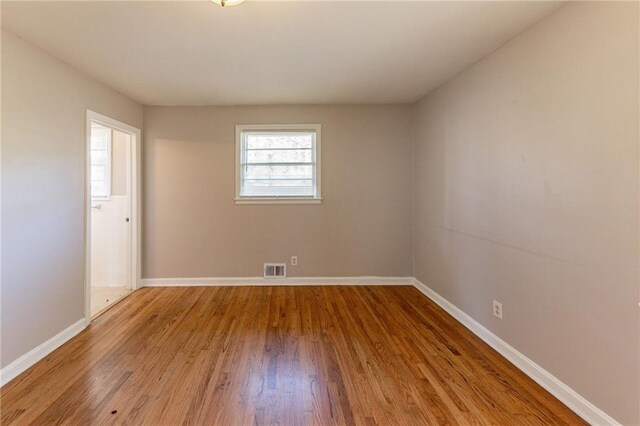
100 162
278 164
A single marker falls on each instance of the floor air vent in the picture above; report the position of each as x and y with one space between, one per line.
275 270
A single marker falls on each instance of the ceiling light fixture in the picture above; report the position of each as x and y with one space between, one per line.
224 3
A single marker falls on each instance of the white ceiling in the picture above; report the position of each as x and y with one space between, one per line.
196 53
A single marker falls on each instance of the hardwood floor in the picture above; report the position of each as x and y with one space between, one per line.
286 355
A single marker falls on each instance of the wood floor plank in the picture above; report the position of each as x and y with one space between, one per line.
329 355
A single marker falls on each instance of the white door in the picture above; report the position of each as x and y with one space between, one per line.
110 229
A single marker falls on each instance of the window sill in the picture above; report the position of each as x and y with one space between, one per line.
278 200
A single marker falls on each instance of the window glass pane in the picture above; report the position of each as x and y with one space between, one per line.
279 140
98 173
98 188
280 156
99 143
100 138
98 157
283 191
278 172
100 161
278 182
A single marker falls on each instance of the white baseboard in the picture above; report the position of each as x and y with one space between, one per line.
21 364
259 281
106 286
552 384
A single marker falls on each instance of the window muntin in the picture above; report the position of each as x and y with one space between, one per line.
278 163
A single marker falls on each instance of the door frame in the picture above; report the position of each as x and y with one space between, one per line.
135 167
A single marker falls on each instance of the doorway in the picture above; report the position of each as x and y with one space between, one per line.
112 197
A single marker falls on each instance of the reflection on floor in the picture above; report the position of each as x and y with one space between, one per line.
102 297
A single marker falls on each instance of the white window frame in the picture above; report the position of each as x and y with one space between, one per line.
317 199
108 171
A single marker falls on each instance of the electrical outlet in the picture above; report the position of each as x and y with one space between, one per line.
294 260
497 309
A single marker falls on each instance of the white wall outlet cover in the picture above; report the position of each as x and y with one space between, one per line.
497 309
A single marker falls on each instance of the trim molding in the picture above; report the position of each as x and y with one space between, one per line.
21 364
552 384
260 281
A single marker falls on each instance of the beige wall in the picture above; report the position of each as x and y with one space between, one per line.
43 141
526 192
193 228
